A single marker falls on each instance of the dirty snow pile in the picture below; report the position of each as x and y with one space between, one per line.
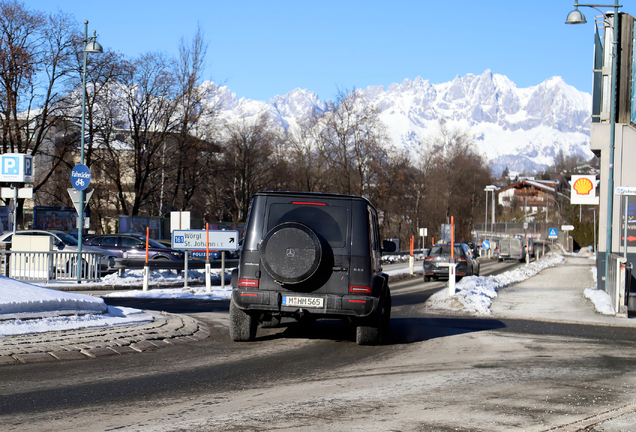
601 299
199 293
474 294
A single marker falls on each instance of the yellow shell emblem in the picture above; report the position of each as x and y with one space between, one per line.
583 186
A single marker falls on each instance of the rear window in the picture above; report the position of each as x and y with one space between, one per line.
328 221
445 251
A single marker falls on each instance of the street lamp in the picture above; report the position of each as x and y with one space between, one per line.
576 17
93 47
491 188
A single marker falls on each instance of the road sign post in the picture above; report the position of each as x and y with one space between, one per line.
80 179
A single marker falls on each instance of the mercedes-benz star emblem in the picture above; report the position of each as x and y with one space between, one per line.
290 253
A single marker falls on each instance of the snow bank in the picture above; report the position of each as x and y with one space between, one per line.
601 299
198 293
18 297
114 316
474 294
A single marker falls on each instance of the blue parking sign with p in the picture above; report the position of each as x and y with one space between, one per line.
10 165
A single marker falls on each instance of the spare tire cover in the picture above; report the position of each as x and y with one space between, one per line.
291 252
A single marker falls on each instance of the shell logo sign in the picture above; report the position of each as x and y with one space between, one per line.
583 186
583 190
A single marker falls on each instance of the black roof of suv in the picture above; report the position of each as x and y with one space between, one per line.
307 256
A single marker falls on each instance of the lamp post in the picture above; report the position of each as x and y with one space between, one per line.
486 217
577 17
90 46
491 188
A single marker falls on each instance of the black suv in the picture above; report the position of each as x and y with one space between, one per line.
309 256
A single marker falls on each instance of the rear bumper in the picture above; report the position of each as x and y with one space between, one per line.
334 305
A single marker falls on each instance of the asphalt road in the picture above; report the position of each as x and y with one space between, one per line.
434 373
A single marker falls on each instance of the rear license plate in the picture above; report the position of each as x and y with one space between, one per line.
308 302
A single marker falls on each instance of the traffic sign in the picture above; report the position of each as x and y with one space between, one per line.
16 168
552 233
567 227
75 197
196 240
201 254
485 244
80 177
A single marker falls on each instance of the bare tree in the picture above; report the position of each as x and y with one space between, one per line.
352 136
191 154
36 54
247 160
146 99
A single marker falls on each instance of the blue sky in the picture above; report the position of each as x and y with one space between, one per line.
262 49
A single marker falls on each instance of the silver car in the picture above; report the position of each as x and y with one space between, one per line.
62 242
437 259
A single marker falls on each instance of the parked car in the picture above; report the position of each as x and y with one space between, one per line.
309 256
62 242
437 259
132 247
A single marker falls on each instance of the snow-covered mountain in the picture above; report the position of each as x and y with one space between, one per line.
519 128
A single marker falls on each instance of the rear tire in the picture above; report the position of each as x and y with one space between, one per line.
371 334
427 279
242 325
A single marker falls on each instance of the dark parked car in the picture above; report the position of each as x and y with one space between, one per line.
438 257
310 256
132 246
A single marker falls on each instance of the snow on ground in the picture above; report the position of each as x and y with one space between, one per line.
27 308
474 294
602 300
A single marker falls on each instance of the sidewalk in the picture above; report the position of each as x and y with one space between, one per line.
556 295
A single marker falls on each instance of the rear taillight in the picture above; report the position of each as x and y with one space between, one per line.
249 283
429 259
355 289
462 259
308 203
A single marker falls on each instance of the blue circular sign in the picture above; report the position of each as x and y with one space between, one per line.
485 244
80 177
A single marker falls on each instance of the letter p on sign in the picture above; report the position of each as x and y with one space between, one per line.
10 165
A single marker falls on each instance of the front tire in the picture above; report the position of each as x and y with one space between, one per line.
242 325
371 334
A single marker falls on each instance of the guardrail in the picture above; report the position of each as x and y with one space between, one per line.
616 283
54 265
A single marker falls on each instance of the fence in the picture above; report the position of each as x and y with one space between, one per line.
616 282
55 265
514 228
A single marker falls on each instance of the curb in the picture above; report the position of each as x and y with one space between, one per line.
89 343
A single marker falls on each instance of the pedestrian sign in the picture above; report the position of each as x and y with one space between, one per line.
552 233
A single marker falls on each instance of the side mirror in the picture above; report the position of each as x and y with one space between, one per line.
388 246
